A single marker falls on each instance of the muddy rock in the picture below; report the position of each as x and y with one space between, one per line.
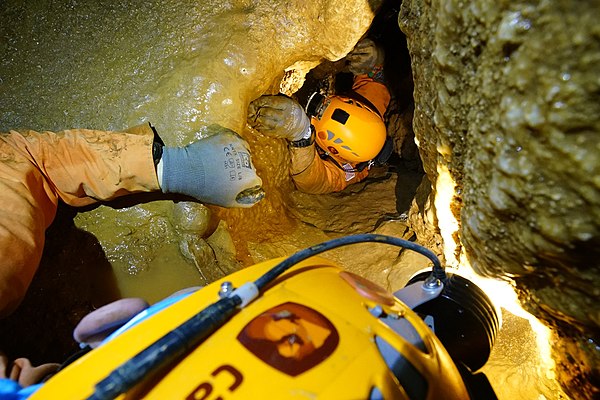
505 115
191 218
222 244
506 105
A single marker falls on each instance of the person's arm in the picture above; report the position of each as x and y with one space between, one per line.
311 174
82 166
374 91
282 117
365 61
76 166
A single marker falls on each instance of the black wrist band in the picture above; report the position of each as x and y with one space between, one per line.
305 142
157 147
157 150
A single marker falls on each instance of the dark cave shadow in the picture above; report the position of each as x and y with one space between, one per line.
397 69
409 168
398 73
139 198
397 65
74 277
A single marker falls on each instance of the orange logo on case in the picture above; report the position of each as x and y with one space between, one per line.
290 337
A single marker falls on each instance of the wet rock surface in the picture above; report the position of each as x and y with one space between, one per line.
507 100
492 105
180 65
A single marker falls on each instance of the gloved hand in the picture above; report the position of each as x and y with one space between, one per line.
279 116
216 170
365 57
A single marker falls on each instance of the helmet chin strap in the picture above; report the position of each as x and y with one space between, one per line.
325 155
379 159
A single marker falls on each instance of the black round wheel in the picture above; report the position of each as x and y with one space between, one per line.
464 319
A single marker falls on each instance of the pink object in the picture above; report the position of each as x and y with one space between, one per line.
98 324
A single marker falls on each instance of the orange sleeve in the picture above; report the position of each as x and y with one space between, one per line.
83 166
78 167
311 174
376 92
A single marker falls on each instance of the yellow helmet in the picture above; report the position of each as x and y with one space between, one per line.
348 128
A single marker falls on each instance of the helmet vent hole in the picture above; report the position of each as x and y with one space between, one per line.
340 116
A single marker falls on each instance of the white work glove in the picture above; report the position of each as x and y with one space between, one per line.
216 170
279 116
365 57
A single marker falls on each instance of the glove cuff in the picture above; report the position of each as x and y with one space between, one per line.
305 132
179 172
307 139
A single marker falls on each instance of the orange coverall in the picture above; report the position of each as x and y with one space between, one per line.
310 173
77 166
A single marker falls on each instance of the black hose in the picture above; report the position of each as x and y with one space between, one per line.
180 340
270 275
166 349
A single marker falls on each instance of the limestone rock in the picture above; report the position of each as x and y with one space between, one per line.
191 217
506 100
224 248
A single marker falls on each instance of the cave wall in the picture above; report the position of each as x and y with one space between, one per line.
504 100
507 101
181 65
